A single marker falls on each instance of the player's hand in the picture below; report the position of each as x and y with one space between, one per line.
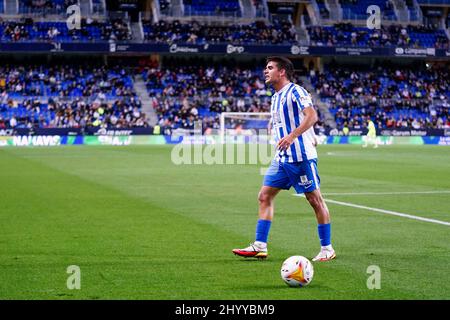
285 143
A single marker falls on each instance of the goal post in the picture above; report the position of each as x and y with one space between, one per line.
242 123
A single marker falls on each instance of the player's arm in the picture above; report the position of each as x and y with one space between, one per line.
310 118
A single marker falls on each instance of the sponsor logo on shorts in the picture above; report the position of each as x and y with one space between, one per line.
304 181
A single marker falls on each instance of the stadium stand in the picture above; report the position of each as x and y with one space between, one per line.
184 94
354 9
324 13
212 7
164 6
394 96
91 30
181 92
200 33
38 7
68 96
393 35
98 7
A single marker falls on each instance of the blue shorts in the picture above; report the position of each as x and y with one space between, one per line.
303 176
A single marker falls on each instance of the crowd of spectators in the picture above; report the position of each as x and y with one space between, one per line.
393 96
259 32
211 7
68 96
73 113
184 94
201 33
26 29
357 9
393 35
66 81
164 6
45 6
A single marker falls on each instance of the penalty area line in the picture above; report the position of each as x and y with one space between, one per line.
393 213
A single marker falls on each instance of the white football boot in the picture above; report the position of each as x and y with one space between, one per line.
325 254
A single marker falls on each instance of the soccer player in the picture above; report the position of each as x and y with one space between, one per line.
295 162
371 136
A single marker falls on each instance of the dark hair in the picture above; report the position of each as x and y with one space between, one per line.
283 63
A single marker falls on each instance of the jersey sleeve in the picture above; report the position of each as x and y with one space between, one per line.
302 97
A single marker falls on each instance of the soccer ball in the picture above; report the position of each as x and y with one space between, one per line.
297 271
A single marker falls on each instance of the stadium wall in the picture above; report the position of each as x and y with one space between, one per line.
149 131
228 49
125 140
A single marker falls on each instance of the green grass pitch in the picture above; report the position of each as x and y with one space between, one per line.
140 227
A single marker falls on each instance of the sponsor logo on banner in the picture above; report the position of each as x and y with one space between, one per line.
4 141
413 52
299 50
355 132
431 51
115 140
122 47
6 132
392 132
105 132
444 141
336 132
418 132
399 133
36 140
56 47
198 140
185 49
354 51
235 49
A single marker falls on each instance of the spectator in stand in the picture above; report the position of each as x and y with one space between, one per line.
279 32
347 34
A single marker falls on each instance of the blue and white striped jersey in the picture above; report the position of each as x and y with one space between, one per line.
286 110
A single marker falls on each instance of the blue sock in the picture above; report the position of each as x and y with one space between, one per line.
324 234
262 230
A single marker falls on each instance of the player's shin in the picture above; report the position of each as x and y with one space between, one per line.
262 232
324 231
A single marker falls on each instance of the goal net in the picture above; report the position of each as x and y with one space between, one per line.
244 127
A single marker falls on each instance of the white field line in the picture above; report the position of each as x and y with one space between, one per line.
393 213
382 193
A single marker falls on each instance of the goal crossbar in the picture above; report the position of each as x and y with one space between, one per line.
238 115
